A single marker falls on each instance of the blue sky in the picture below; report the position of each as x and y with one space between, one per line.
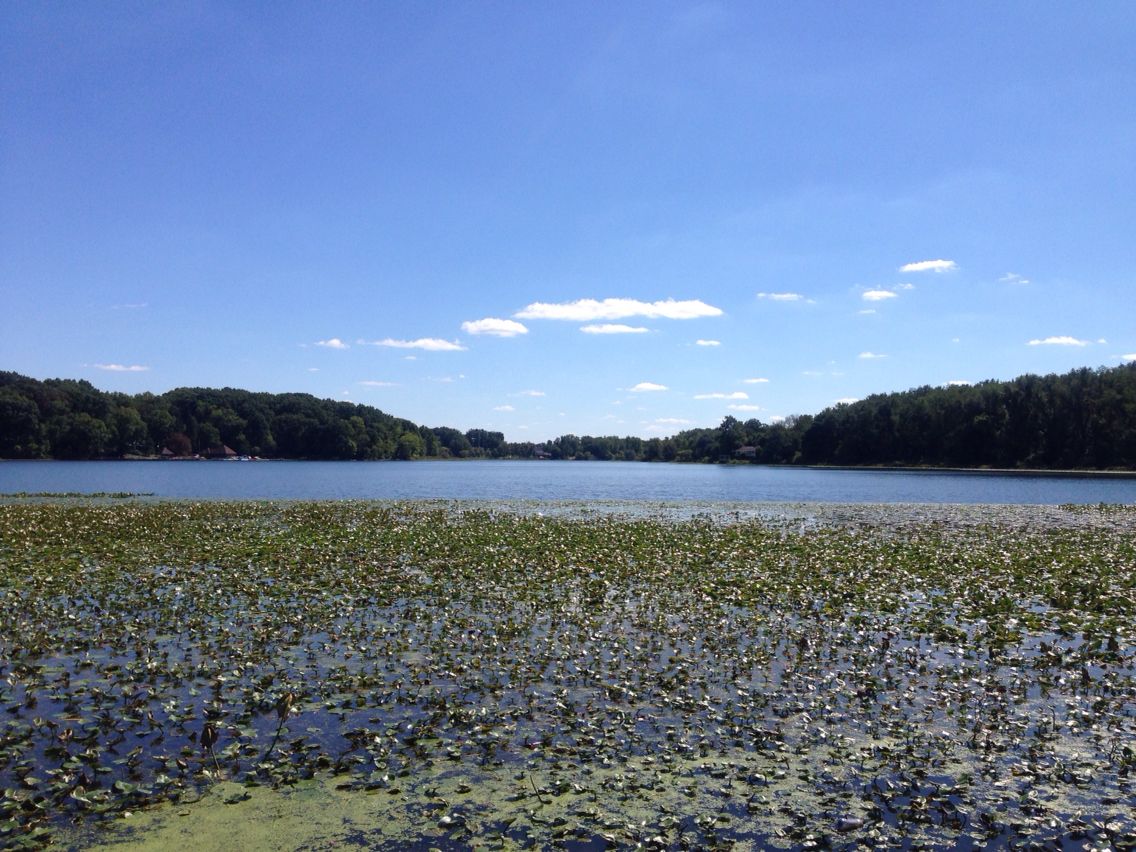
544 218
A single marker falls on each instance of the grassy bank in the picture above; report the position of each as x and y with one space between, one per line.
439 675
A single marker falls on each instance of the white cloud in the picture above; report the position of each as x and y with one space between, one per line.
905 286
781 297
1013 278
959 383
332 343
755 381
122 368
673 421
431 344
870 356
644 387
371 383
586 310
734 395
503 408
866 312
744 407
929 266
846 400
613 328
494 327
1064 340
1129 358
877 295
131 306
530 393
313 369
707 343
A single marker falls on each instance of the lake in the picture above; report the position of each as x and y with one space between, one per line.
535 480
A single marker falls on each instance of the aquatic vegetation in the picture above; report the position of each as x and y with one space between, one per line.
548 674
113 495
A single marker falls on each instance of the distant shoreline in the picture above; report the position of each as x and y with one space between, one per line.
983 471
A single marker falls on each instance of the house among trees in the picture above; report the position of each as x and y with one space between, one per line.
177 446
221 451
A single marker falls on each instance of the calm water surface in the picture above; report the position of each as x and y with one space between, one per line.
533 480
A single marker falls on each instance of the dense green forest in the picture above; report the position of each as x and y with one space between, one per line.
1084 419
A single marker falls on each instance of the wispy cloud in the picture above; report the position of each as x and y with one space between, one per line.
929 266
645 387
494 327
586 310
707 343
121 368
757 381
372 383
1013 278
782 297
431 344
957 383
332 343
529 393
734 395
870 356
131 306
845 400
672 421
1129 358
1063 340
613 328
503 408
877 295
744 407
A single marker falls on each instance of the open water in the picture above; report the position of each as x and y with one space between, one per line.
548 480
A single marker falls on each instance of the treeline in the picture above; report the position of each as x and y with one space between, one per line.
1085 419
68 419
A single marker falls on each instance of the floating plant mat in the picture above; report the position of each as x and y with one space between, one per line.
417 675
